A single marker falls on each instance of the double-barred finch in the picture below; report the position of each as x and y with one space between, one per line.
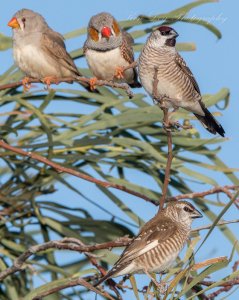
109 49
177 86
158 243
39 51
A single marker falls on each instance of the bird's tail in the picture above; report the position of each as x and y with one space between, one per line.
210 123
136 83
107 276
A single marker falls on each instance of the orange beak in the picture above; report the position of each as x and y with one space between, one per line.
13 23
106 32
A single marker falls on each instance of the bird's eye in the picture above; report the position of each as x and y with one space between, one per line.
23 20
165 32
187 209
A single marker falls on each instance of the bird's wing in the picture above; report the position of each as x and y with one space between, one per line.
53 44
127 47
149 237
185 69
152 233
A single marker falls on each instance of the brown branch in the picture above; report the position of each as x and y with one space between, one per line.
166 124
169 159
218 189
225 287
78 79
72 244
61 169
132 65
215 190
220 223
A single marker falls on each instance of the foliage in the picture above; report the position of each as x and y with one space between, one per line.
107 136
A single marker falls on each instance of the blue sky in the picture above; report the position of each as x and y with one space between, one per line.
214 64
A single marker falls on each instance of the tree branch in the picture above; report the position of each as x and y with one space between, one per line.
72 244
166 124
61 169
79 79
218 189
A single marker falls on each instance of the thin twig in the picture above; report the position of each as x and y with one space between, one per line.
169 160
61 169
220 223
218 189
166 123
79 79
215 190
64 244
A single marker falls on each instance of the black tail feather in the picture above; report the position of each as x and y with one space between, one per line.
136 83
106 277
210 123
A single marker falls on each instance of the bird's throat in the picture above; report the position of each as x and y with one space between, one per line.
171 42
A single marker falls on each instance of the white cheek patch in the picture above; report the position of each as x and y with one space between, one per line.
22 25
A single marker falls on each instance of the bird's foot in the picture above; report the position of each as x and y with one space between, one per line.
175 125
48 80
161 286
169 125
119 72
26 84
92 83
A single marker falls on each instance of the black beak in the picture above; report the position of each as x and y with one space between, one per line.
196 214
175 34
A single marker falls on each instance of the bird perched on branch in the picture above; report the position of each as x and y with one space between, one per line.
39 51
109 49
158 243
176 85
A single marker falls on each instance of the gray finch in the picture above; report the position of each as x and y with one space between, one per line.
39 51
108 48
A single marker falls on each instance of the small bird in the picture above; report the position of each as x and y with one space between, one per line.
176 86
39 51
109 49
158 243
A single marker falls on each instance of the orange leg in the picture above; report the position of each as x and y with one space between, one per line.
93 81
48 80
119 72
26 84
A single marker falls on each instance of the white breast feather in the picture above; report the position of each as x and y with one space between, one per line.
104 64
33 62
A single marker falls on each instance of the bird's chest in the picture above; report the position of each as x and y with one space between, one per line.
33 61
104 64
165 265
